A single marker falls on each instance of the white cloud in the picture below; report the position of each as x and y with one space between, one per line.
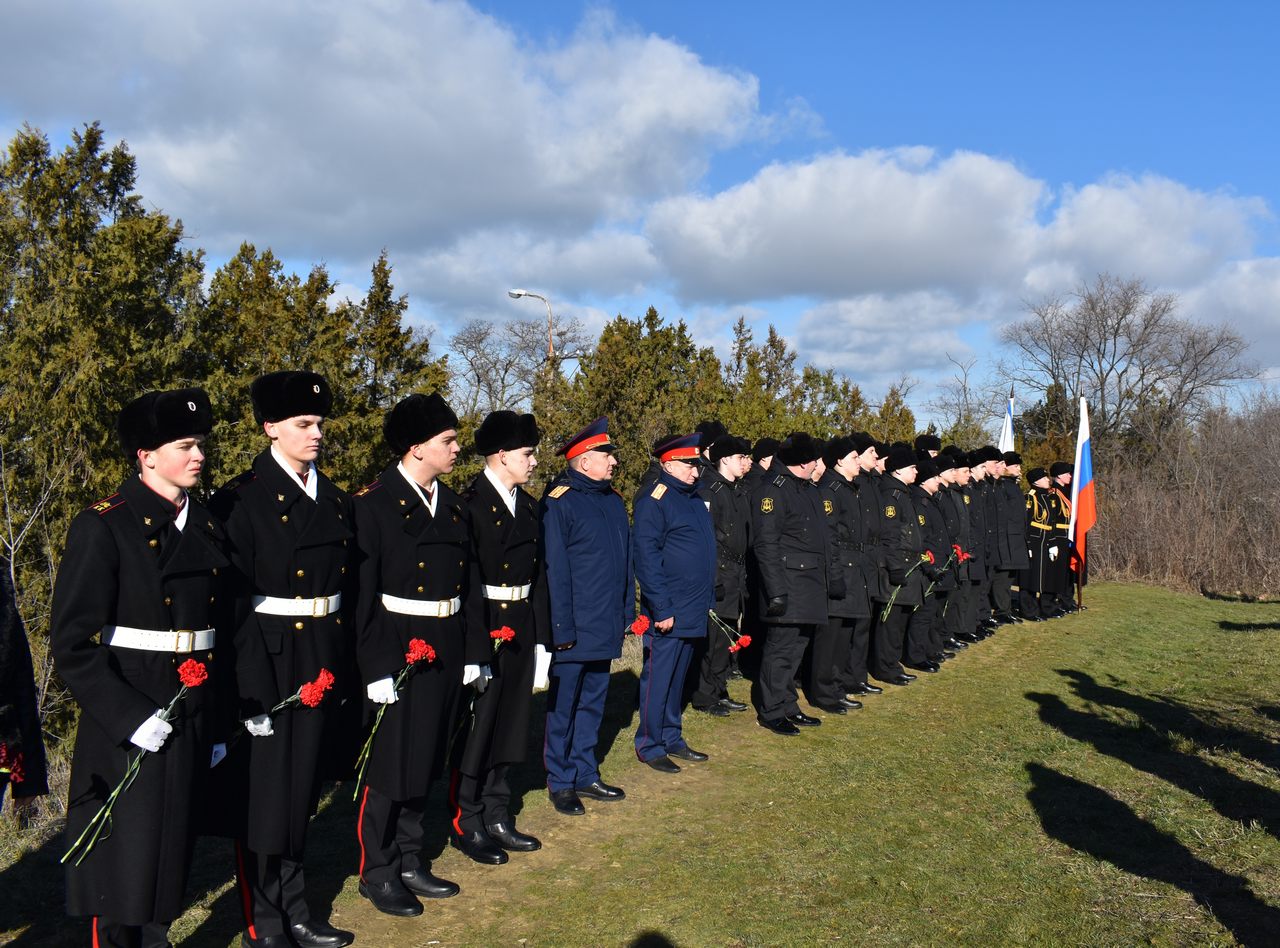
1245 295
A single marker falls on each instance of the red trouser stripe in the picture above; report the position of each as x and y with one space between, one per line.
95 932
246 897
360 829
454 782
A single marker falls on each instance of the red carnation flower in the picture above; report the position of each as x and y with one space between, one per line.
418 650
325 678
744 641
640 626
734 647
928 555
12 762
312 693
504 634
192 674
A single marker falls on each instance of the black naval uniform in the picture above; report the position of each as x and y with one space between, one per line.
730 516
288 547
126 568
513 593
796 566
1047 551
954 504
411 561
902 546
1011 542
840 666
923 639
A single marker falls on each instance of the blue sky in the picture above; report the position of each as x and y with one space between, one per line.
888 183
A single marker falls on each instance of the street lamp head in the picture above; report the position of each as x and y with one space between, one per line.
516 294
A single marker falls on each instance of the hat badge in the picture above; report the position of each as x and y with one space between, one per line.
316 389
191 406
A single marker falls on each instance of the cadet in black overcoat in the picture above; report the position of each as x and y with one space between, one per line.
903 546
1011 534
955 511
1040 582
923 648
721 489
506 533
134 599
292 546
870 513
23 767
1064 601
796 570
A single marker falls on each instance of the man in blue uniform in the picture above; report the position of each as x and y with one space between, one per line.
675 557
591 587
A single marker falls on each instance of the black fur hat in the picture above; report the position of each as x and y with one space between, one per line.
899 457
798 448
416 419
280 395
506 431
928 442
157 418
764 448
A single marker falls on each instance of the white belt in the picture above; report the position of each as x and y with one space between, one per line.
432 608
508 593
179 641
316 608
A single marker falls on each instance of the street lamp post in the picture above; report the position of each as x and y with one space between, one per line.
519 294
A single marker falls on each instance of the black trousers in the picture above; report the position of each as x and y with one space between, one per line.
272 892
886 644
919 639
784 647
477 801
855 667
1002 591
390 835
106 933
713 668
955 611
828 657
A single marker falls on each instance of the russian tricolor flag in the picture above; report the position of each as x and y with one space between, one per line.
1084 504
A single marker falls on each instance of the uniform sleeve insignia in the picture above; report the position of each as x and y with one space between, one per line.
891 511
708 503
920 517
766 505
658 491
829 507
108 503
966 498
557 492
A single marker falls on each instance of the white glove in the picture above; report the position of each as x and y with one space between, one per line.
1053 554
219 752
151 733
479 674
541 667
382 691
260 726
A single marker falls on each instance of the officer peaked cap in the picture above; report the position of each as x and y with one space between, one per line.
899 457
928 442
506 431
764 448
416 419
157 418
280 395
798 448
594 437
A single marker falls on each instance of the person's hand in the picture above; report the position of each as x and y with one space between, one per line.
259 726
665 625
776 607
152 733
382 691
541 667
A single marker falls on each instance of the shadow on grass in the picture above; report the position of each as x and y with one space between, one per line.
651 940
1091 821
1231 796
1166 714
31 897
1228 626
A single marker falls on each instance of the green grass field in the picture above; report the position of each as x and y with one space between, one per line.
1105 779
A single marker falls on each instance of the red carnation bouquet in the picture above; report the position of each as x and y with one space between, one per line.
925 557
640 626
310 694
737 640
499 636
191 674
11 763
419 651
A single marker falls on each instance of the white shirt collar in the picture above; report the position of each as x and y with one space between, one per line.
508 495
180 521
309 488
430 504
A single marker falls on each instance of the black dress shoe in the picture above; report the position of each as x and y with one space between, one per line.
803 720
849 704
925 666
731 705
716 711
420 882
955 643
664 765
265 941
479 846
391 898
866 688
508 837
566 802
831 709
688 753
909 676
967 638
782 726
316 934
601 791
902 679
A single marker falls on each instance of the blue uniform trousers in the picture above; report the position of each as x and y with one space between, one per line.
666 662
575 707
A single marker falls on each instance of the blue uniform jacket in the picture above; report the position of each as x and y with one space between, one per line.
590 580
675 554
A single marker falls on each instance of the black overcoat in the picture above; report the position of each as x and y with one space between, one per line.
902 543
792 550
730 517
849 532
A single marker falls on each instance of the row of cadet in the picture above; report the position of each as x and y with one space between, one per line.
227 658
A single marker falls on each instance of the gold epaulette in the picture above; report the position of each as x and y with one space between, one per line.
559 491
658 491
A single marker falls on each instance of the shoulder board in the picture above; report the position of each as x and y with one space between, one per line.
106 504
248 477
658 491
718 485
836 483
558 491
779 481
367 489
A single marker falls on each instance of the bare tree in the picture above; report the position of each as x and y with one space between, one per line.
1144 369
499 363
964 412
